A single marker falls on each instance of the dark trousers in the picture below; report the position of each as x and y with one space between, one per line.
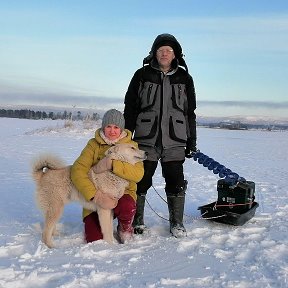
172 172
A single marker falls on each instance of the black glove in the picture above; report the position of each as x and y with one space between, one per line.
190 148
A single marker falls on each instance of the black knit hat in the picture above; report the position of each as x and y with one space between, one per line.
167 40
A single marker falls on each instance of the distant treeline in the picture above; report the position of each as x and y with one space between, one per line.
30 114
240 126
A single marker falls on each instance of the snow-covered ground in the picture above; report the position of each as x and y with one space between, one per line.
213 255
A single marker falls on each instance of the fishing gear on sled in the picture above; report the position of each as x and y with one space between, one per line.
235 204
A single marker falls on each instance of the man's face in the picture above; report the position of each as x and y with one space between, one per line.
165 56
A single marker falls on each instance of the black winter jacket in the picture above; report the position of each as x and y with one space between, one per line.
161 108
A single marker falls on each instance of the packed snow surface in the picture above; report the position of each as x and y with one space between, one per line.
212 255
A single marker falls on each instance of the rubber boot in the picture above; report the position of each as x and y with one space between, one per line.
176 212
138 222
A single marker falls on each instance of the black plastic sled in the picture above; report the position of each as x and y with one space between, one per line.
224 214
235 204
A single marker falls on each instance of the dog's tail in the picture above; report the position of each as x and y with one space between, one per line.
44 163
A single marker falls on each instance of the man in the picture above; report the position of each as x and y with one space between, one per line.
159 109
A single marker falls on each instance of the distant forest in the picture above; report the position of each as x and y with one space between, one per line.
37 115
65 115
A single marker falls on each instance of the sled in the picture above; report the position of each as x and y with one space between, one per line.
235 204
224 214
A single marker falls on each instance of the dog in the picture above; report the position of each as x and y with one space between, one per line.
54 189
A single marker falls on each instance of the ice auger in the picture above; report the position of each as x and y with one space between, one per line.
230 177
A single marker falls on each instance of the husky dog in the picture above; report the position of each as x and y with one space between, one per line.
54 189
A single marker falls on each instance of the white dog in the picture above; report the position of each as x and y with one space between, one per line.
54 189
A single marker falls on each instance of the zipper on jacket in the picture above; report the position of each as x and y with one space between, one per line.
159 137
179 92
149 93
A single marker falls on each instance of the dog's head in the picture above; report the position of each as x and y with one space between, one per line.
126 153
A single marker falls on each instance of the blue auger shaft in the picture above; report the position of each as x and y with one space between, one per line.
230 177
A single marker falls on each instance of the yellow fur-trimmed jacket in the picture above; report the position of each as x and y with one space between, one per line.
93 152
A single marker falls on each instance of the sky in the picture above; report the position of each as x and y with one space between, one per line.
213 255
84 53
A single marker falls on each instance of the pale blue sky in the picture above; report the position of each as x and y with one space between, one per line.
62 51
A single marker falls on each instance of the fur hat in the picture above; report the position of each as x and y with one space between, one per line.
115 117
167 40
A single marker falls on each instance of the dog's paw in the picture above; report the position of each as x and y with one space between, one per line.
56 233
49 244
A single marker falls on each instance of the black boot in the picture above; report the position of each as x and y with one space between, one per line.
176 203
138 222
176 211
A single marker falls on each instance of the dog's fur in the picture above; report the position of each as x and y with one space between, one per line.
54 189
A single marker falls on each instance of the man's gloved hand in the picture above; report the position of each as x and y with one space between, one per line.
191 148
103 165
104 201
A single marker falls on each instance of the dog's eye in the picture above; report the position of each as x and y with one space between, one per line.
133 148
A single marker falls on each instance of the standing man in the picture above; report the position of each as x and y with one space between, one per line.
159 109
